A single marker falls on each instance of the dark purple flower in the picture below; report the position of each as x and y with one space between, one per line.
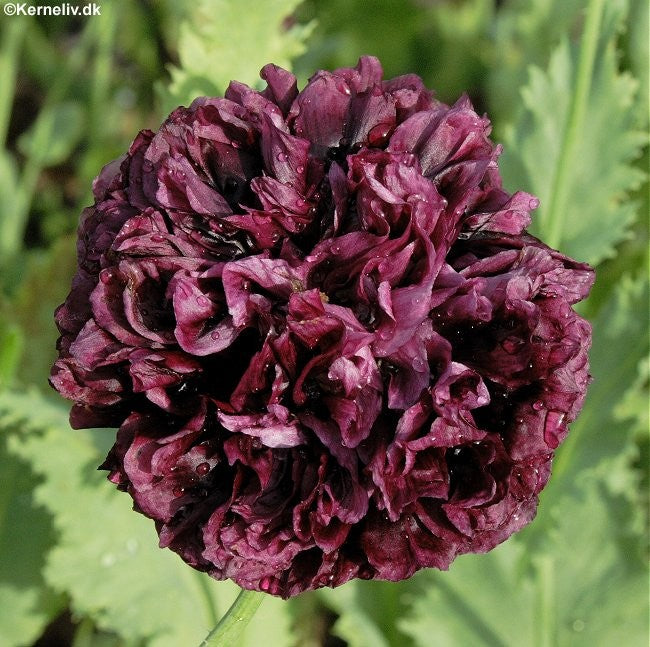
330 346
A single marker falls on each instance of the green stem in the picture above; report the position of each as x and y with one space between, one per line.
560 186
13 37
83 636
546 619
229 629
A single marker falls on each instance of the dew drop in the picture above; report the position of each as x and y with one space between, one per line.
378 135
178 491
281 157
157 238
300 168
108 560
215 334
106 276
533 204
202 468
335 249
385 334
203 301
245 285
538 405
418 364
578 625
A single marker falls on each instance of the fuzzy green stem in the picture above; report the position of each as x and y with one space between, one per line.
546 627
229 628
13 37
577 112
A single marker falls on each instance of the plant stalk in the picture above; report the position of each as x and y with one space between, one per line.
229 628
577 112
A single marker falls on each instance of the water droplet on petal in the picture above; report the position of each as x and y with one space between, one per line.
538 405
215 334
178 491
378 135
105 276
203 301
281 157
418 364
533 204
202 468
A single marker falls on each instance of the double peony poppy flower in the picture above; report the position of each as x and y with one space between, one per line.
329 344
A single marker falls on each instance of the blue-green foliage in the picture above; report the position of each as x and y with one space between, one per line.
73 94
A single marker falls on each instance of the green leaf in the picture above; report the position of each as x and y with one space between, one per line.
481 600
52 143
369 612
574 142
222 40
584 586
26 534
633 406
524 33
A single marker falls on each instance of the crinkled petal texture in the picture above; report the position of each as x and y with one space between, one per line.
331 349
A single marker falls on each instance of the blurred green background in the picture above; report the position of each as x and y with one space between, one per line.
77 567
